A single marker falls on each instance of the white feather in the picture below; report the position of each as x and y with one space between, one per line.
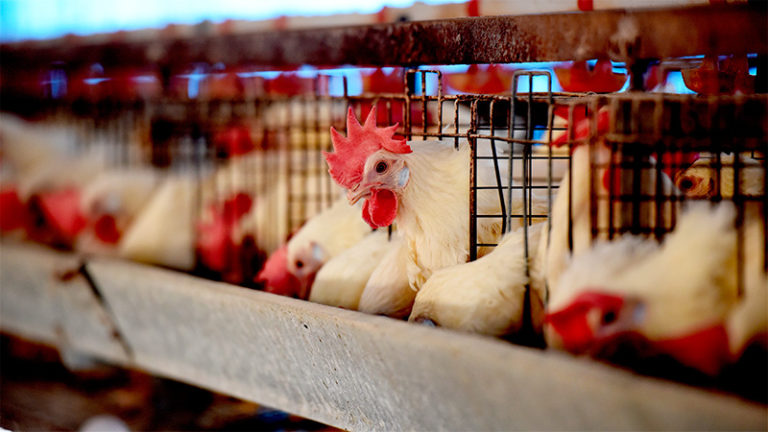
341 280
484 296
163 232
387 291
335 229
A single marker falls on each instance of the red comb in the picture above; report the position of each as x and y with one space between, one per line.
346 163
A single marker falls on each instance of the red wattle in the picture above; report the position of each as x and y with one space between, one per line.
706 350
380 209
367 214
105 228
573 329
571 323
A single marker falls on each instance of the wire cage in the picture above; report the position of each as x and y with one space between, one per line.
258 145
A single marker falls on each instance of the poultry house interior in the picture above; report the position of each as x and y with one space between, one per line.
280 211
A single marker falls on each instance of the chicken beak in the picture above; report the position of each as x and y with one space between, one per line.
358 193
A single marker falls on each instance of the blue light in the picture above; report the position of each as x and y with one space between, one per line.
94 81
193 81
675 78
57 82
144 79
539 83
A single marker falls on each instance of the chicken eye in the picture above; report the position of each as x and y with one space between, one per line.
299 264
609 317
686 184
381 167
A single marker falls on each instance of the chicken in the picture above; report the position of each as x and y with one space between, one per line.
421 187
43 169
163 232
675 295
341 280
485 296
110 203
320 239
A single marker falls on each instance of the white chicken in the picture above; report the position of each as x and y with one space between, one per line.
320 239
676 295
111 202
485 296
421 187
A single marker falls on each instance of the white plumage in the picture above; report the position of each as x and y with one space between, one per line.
484 296
388 291
163 233
433 216
585 185
323 237
341 280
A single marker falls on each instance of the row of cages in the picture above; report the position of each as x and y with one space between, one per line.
216 184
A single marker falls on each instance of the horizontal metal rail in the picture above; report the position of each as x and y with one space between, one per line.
618 34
